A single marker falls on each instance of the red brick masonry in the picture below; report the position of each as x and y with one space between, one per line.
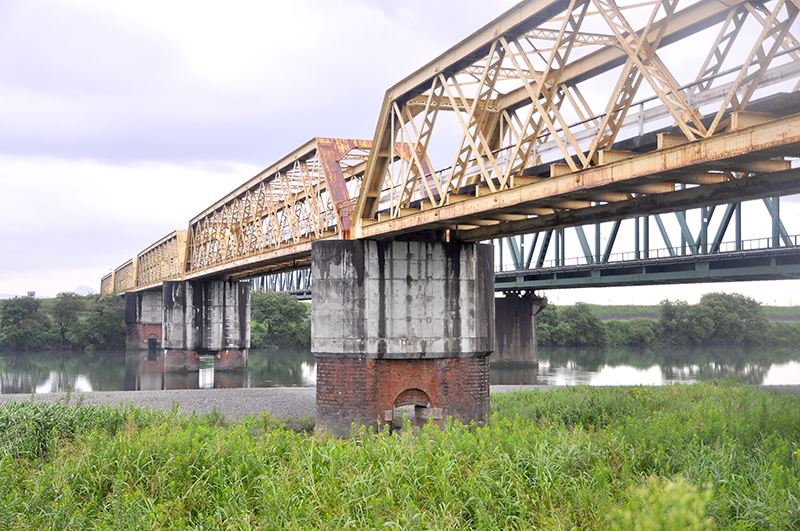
139 333
360 390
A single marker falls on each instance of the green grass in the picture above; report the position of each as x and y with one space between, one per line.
575 458
630 311
783 312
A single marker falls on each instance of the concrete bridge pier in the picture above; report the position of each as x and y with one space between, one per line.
515 318
401 327
143 315
206 317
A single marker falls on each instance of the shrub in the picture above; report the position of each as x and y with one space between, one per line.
663 505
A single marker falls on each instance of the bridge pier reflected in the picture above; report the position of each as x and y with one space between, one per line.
401 323
206 318
143 317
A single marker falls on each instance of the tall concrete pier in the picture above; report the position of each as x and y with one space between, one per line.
399 324
206 317
143 317
516 327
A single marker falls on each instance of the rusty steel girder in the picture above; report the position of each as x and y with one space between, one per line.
556 113
164 260
520 94
302 197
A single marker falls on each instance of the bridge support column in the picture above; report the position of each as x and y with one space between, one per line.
206 317
401 325
515 318
143 311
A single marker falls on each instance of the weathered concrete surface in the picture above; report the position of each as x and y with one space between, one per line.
402 300
515 320
143 314
395 319
206 317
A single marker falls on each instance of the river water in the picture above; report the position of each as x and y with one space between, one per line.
47 372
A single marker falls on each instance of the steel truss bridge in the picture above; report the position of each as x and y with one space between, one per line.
714 252
557 115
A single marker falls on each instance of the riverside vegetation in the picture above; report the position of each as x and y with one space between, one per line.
280 321
72 322
718 319
703 456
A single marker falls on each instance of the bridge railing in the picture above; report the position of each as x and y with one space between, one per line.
754 244
305 196
125 277
164 260
107 285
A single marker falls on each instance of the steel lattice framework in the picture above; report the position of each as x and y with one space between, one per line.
303 197
523 93
559 113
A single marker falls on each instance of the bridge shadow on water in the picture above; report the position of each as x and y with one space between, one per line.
55 371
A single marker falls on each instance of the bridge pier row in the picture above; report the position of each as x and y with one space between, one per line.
515 318
206 317
398 325
143 315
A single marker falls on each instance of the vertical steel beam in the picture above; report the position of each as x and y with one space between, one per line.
664 235
530 251
587 251
597 242
543 249
686 234
611 239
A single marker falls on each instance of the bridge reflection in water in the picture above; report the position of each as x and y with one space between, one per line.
46 372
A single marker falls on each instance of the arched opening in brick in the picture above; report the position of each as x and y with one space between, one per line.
152 348
415 405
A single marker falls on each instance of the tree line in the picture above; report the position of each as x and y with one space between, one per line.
278 320
73 322
718 319
67 322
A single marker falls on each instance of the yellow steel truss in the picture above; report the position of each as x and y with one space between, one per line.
510 108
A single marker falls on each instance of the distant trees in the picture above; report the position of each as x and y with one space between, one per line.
23 326
68 321
66 309
718 319
104 328
278 320
573 325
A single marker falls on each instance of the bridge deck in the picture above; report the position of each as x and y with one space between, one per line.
528 153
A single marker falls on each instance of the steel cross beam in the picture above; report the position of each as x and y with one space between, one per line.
694 238
644 260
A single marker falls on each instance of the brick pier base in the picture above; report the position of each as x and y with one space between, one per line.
398 325
362 391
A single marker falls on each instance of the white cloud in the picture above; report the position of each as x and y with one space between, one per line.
122 120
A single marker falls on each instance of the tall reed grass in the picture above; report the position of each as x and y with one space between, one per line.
575 458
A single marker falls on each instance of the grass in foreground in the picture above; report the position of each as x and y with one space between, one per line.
680 457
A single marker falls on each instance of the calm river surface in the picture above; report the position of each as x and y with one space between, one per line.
47 372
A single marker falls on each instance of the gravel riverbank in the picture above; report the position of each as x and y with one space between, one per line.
281 402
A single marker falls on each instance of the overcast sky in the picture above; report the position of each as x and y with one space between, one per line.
119 121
